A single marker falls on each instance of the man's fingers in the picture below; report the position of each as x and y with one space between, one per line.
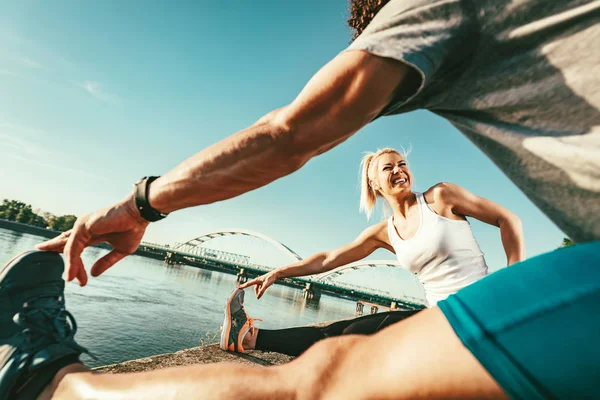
57 244
73 249
248 284
74 263
261 291
110 259
82 277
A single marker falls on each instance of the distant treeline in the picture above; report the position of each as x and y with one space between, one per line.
567 242
14 210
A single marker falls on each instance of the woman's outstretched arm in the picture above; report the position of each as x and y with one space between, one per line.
367 242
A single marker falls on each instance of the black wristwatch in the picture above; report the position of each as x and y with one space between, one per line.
142 203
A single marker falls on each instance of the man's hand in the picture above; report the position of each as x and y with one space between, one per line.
119 225
261 283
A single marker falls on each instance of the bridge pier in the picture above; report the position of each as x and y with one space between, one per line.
359 307
170 258
242 276
311 292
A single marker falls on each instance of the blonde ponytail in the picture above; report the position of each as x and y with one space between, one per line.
368 196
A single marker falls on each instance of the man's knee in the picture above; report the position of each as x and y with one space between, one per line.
321 364
70 384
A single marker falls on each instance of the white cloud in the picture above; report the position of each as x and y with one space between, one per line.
29 53
21 138
58 167
29 63
22 53
25 144
96 90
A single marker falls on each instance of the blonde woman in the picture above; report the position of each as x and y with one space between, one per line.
428 232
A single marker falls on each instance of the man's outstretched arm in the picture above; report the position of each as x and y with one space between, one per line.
341 98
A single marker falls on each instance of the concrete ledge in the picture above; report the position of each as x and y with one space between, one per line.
30 229
196 355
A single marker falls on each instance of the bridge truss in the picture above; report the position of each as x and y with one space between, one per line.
196 247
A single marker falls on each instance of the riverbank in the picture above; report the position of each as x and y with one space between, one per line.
48 233
30 229
208 354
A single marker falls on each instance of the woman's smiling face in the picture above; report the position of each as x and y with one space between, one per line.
391 175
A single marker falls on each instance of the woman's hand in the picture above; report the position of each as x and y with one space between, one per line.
261 283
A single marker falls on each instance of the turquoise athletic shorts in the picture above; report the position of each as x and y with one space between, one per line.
535 326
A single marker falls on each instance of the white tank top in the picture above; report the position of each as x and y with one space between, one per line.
443 253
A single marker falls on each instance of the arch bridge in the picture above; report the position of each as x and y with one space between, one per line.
196 246
195 252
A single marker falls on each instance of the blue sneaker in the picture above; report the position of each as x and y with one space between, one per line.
37 334
236 323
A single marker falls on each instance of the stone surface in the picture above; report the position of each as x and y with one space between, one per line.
197 355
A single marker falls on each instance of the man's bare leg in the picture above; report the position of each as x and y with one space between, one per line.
216 381
420 357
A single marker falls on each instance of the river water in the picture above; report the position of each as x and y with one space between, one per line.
141 307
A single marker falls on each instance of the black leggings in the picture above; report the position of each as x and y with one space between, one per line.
294 341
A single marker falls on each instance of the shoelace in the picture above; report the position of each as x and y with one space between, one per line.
44 321
251 323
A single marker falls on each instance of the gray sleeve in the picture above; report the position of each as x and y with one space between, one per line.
429 35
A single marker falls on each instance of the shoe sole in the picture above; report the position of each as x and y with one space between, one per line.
12 262
37 257
227 320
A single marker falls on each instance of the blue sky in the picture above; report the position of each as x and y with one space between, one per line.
94 95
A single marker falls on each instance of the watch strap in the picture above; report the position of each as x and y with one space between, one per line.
141 200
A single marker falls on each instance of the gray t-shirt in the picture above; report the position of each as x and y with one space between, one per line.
521 79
